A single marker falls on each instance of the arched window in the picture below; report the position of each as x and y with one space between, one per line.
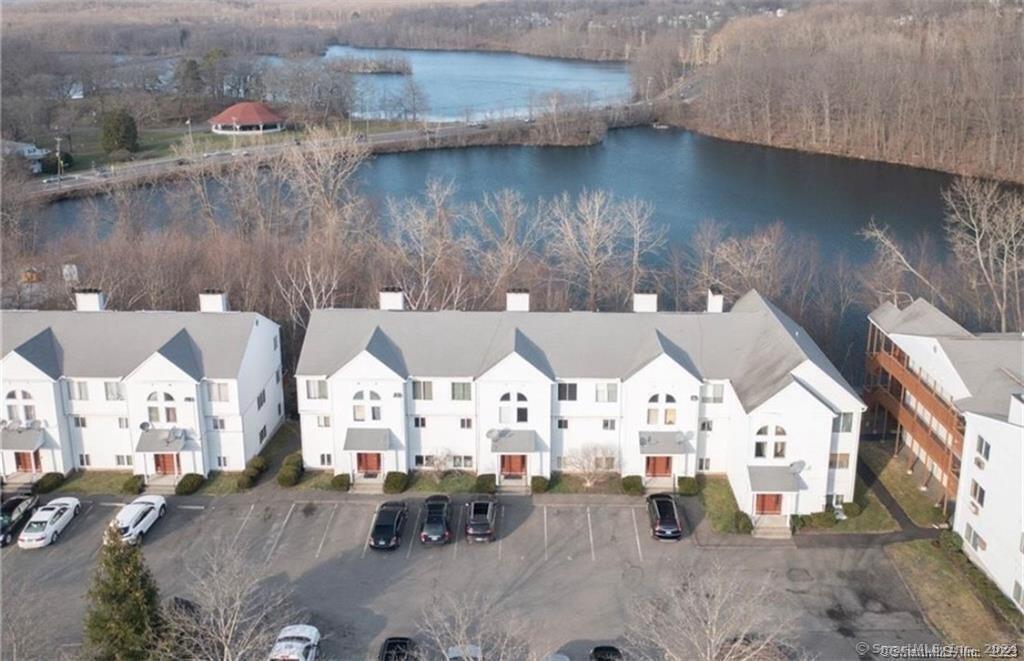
661 409
19 406
509 412
359 408
780 431
763 431
778 448
166 413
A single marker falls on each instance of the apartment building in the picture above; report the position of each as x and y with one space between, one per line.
954 398
159 394
744 393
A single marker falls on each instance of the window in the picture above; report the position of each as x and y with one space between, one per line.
263 433
217 423
507 412
706 425
275 343
424 460
122 423
219 392
123 459
983 448
604 463
419 422
462 461
704 464
261 399
323 421
78 390
222 461
652 416
358 412
277 375
780 431
316 389
607 393
1018 593
279 408
171 414
712 393
977 493
760 449
422 390
562 423
842 423
567 392
670 416
153 411
974 539
84 460
608 424
17 406
113 390
325 459
661 403
839 460
763 431
466 423
780 449
78 421
462 391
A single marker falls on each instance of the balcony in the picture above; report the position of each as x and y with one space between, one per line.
938 407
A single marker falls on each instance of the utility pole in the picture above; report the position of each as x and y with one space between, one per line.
60 164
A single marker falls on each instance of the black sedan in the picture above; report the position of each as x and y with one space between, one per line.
388 524
666 524
13 512
398 649
437 520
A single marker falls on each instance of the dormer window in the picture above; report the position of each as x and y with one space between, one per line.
661 408
513 408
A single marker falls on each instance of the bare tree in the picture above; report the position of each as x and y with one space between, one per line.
591 462
711 613
508 238
313 277
471 623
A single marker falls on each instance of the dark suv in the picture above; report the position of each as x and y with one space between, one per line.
436 519
13 511
387 525
481 515
666 524
398 649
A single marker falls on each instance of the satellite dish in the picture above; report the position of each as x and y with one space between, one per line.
797 466
145 426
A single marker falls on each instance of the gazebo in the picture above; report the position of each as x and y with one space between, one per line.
247 117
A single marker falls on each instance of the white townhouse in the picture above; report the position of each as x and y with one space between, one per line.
745 393
958 398
158 394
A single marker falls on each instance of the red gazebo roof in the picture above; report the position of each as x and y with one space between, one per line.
247 113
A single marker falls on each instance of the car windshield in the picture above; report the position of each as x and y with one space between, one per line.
293 639
35 526
665 511
480 509
122 530
5 518
383 530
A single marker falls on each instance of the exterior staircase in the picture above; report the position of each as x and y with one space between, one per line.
363 486
769 526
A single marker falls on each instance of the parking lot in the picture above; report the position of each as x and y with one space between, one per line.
568 569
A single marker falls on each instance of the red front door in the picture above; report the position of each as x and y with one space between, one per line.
165 464
769 503
368 462
659 466
513 465
23 462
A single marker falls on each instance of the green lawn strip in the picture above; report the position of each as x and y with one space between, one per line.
946 595
873 518
892 472
449 482
315 480
571 483
94 482
220 483
719 503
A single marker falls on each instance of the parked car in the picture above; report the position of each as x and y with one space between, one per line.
436 528
481 515
298 642
398 649
464 653
136 518
13 512
48 522
606 653
388 525
666 524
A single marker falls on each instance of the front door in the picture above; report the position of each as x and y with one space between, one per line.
659 466
23 462
513 465
165 463
368 463
769 503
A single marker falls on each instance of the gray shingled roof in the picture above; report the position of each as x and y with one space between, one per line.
754 345
23 439
112 344
918 318
367 439
773 479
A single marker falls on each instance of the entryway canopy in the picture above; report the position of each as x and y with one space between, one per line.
363 439
512 441
664 442
21 440
161 440
773 479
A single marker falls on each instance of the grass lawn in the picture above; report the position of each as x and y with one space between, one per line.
719 503
449 482
904 488
220 483
94 482
315 480
572 483
946 596
873 517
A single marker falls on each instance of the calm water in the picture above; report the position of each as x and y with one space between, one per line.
476 84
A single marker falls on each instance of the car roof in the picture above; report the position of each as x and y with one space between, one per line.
130 511
12 503
64 501
149 500
305 630
392 505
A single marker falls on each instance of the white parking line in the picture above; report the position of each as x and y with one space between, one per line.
244 520
590 531
280 532
499 534
636 532
326 528
112 504
545 533
408 551
191 507
366 542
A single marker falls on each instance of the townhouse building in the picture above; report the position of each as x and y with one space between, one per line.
954 399
518 393
159 394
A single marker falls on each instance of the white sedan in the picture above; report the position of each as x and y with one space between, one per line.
136 518
48 522
298 642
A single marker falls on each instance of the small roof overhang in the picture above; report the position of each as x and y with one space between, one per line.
512 441
362 439
21 440
773 479
161 440
664 442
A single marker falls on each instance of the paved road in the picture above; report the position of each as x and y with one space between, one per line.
568 567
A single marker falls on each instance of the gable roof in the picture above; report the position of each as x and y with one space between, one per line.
754 345
918 318
112 344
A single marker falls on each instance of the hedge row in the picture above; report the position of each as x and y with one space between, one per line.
291 470
189 484
48 483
